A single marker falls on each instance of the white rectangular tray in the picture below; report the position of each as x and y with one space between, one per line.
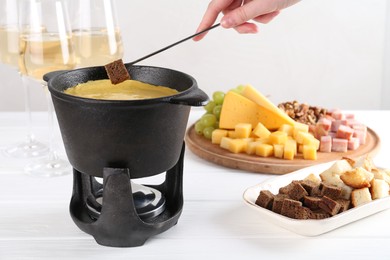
309 227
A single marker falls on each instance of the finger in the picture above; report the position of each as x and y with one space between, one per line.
214 8
266 18
253 9
246 28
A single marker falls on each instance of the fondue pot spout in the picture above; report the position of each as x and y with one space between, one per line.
145 136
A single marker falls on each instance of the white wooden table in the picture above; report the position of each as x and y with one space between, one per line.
215 223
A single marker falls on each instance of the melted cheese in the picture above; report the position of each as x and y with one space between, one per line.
127 90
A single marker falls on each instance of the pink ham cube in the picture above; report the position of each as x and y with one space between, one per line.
344 132
353 143
326 144
324 123
338 115
337 123
339 145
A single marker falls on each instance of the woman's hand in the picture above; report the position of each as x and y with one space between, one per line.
237 13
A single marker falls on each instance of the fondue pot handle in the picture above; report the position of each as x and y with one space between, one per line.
194 97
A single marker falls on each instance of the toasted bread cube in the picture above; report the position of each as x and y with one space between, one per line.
217 135
381 175
261 131
379 189
309 152
357 178
288 129
314 178
278 150
278 137
264 150
360 196
243 130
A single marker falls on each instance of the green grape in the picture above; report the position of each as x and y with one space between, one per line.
199 127
209 107
208 120
218 97
216 125
240 88
208 131
217 111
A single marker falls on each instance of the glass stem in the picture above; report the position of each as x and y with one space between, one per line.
27 107
50 114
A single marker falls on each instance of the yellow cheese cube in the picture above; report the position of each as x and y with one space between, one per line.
299 127
278 150
309 152
237 145
242 130
278 137
312 141
301 136
293 144
225 142
261 131
251 147
290 150
217 135
264 150
289 129
264 140
231 134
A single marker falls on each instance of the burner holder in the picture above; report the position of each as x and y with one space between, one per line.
118 224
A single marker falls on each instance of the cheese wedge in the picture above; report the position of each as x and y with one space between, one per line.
238 109
273 116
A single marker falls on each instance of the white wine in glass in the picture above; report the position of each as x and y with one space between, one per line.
45 46
9 55
96 35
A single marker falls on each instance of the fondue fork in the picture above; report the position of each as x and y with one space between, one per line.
172 45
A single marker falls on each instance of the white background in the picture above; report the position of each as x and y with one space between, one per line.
330 53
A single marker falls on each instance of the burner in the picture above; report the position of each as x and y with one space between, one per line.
148 202
121 213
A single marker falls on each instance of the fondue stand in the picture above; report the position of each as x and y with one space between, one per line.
121 140
129 216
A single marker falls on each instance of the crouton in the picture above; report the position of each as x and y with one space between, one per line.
357 178
360 196
379 189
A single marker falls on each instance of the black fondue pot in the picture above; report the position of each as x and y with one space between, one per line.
120 141
145 136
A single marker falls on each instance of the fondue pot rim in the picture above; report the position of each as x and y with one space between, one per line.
55 77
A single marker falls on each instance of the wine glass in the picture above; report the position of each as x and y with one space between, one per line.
96 35
9 55
45 46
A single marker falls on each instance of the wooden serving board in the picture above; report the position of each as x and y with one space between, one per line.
213 153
